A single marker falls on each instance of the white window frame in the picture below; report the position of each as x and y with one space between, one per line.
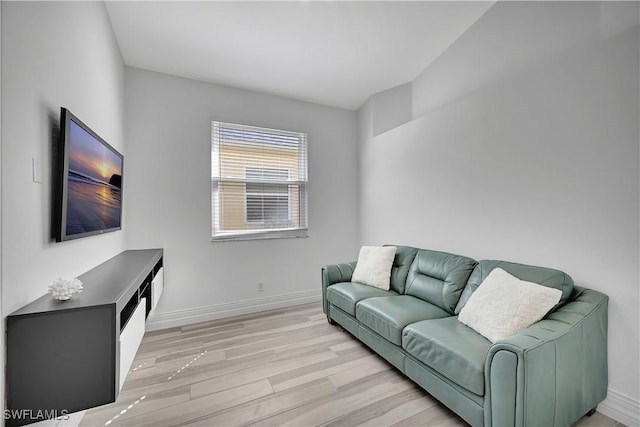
301 227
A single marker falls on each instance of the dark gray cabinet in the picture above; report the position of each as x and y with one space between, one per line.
64 357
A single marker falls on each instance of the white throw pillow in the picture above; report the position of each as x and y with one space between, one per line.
504 305
374 266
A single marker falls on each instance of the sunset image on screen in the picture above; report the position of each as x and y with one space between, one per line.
90 158
94 183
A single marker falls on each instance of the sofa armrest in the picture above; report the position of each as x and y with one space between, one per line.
553 372
335 273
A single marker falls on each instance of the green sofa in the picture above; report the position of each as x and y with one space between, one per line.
550 374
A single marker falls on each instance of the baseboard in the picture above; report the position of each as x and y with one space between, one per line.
219 311
621 408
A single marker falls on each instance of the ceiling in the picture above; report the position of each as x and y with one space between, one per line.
335 53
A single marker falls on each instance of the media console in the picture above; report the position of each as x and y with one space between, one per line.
67 356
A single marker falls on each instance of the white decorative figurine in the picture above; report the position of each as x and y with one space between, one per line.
62 289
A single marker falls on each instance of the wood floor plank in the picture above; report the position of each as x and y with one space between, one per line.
226 337
178 355
347 345
248 375
302 309
598 420
377 410
258 330
126 409
319 316
299 376
294 332
175 366
402 411
181 334
195 375
282 367
437 415
357 387
270 406
299 350
161 350
343 378
162 332
193 409
283 343
313 414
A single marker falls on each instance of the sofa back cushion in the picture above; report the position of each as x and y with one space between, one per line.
439 278
401 264
540 275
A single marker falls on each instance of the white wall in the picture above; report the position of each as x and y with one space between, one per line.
512 38
532 160
168 197
2 325
53 54
391 108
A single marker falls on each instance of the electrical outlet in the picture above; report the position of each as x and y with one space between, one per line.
260 287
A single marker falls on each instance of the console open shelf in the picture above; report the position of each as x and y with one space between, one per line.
64 357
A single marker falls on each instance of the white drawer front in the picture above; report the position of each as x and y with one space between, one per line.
157 286
130 339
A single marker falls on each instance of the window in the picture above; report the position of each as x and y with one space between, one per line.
268 203
258 182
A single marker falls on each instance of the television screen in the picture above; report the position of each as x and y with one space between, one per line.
91 182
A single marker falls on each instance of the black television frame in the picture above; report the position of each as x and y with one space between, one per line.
60 214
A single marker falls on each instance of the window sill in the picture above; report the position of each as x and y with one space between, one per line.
288 234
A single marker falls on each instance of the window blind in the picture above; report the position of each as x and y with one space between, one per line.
258 182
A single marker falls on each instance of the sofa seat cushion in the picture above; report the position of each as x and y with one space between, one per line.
345 295
388 316
451 348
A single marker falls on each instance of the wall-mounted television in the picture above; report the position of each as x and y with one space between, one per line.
90 181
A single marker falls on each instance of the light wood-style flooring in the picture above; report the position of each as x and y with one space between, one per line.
282 367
